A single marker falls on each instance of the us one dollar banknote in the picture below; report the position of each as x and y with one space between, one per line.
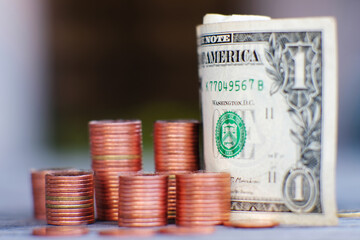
269 107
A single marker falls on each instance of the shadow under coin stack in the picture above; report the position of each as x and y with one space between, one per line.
70 198
38 189
116 146
176 147
142 200
203 198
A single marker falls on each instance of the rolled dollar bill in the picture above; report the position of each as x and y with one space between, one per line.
269 106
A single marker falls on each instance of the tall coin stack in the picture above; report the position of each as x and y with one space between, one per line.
203 198
176 147
38 189
116 146
142 200
70 198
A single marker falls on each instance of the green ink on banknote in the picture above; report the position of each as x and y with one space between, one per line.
230 134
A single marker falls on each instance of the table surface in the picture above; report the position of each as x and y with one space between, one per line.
16 220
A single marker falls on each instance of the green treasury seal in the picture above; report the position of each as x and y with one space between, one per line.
230 134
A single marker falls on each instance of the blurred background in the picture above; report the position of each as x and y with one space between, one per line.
64 63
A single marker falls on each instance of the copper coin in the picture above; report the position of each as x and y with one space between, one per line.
142 220
108 152
131 143
202 207
198 223
144 203
115 123
126 157
71 214
68 190
214 217
150 212
70 210
143 176
69 194
204 195
69 198
70 175
144 207
122 162
176 230
116 171
139 188
145 192
176 168
60 231
69 181
122 167
252 223
71 218
142 183
202 181
128 232
202 210
69 223
139 197
206 175
71 202
70 186
68 206
151 224
157 221
129 150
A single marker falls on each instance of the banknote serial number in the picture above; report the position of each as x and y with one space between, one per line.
236 86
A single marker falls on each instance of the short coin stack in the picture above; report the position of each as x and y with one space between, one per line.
176 147
70 198
142 200
203 198
116 146
38 188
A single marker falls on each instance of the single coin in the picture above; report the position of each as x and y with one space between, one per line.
67 190
70 198
73 194
60 231
149 224
128 232
70 214
70 210
198 223
58 206
252 223
69 223
143 220
79 218
176 230
69 202
116 157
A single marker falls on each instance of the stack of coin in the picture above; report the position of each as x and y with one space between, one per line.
38 188
176 147
142 200
171 196
203 198
116 146
69 198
